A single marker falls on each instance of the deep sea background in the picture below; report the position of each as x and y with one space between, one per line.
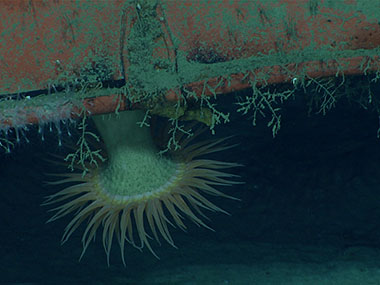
310 195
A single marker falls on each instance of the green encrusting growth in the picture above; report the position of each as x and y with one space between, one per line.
133 166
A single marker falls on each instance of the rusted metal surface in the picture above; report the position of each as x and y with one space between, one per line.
179 47
39 39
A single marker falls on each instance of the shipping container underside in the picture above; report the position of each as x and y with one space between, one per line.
61 61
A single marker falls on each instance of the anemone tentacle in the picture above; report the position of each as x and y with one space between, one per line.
137 193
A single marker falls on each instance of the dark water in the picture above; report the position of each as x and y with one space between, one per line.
311 195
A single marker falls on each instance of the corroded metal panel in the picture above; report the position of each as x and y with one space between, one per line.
172 49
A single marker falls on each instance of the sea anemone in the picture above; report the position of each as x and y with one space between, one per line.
136 192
